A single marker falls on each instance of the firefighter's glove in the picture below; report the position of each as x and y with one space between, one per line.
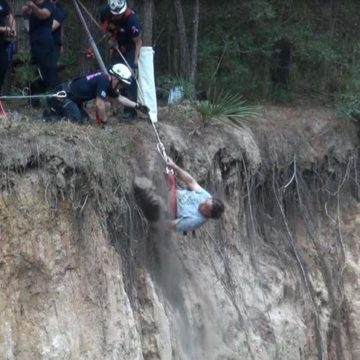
143 108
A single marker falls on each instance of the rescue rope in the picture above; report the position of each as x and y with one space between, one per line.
170 173
61 94
91 40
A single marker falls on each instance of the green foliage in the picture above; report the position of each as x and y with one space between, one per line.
224 103
237 41
25 73
349 107
70 60
237 45
279 94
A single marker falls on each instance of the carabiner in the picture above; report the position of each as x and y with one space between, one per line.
25 91
60 94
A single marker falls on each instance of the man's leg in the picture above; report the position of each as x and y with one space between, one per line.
56 54
43 57
53 111
71 110
65 108
3 66
150 203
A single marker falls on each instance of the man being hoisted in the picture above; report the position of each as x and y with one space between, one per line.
195 206
93 86
125 28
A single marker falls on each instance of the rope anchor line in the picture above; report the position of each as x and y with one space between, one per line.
60 94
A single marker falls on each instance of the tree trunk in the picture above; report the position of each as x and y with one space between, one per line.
194 48
148 11
183 43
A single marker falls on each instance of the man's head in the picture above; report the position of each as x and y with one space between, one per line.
212 208
120 74
117 7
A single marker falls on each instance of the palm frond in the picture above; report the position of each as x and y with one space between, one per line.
224 103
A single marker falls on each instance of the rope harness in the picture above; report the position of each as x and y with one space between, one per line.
170 173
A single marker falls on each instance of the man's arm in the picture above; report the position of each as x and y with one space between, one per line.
100 110
138 43
126 102
173 224
131 104
26 10
9 28
183 175
59 17
31 7
12 24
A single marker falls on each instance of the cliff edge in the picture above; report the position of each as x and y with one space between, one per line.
82 277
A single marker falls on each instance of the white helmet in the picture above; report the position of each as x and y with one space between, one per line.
117 7
121 72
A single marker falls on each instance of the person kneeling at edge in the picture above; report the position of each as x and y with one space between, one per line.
194 205
97 86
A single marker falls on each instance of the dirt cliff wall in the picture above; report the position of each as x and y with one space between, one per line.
83 276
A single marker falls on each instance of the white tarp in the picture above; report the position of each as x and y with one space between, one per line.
147 90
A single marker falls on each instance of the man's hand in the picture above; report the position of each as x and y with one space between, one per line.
143 108
170 162
26 9
8 31
183 175
31 5
113 43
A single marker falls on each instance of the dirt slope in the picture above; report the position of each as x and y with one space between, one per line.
83 277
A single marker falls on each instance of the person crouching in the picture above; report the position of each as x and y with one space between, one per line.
98 86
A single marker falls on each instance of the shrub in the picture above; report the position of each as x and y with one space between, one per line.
224 103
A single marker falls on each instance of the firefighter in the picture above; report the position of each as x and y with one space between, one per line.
98 86
125 28
7 30
40 14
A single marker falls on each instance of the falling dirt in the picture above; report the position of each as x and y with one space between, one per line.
84 276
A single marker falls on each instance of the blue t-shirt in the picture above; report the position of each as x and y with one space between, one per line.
91 86
188 201
41 29
60 16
